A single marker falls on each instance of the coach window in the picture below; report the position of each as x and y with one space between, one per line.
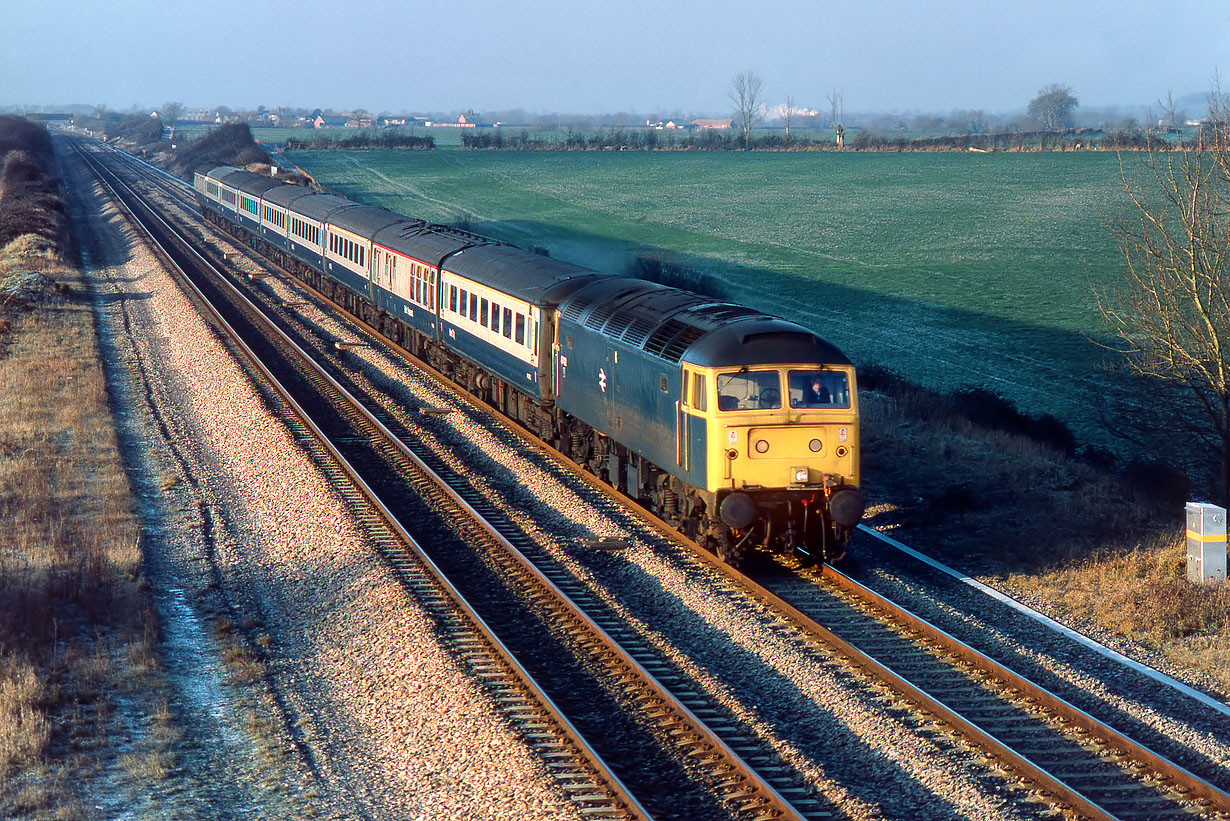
452 298
474 307
465 303
482 313
520 336
495 317
508 324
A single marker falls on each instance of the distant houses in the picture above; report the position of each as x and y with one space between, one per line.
318 118
712 125
467 120
332 121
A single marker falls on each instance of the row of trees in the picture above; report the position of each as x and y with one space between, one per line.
1051 110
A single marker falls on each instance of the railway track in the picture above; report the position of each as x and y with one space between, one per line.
1074 761
505 603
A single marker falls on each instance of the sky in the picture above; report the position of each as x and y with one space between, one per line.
601 56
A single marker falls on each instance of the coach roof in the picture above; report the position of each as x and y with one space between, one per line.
284 195
365 220
534 278
319 206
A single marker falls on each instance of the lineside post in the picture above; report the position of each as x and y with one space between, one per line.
1206 543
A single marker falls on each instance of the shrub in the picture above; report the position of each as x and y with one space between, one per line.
230 144
665 272
1157 482
141 129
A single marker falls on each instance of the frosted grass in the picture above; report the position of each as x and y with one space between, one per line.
954 269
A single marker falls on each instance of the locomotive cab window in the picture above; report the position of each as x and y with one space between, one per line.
749 390
699 401
819 389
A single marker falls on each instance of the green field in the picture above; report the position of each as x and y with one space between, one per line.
953 269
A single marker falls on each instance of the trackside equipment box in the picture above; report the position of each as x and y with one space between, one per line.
1206 543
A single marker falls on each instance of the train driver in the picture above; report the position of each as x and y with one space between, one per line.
816 395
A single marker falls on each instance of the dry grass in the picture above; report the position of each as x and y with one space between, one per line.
1143 593
1077 536
76 625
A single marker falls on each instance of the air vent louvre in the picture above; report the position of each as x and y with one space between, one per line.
639 330
600 315
674 350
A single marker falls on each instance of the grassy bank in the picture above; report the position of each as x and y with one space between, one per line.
78 634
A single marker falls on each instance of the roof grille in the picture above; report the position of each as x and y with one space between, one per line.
575 307
682 342
672 339
618 323
639 330
600 315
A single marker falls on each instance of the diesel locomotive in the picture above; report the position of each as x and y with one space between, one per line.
739 428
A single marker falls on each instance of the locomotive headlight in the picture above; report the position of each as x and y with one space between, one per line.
762 446
842 451
799 475
815 445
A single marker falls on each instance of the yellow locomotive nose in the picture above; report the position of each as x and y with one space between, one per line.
792 454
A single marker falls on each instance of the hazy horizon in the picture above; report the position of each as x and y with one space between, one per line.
647 56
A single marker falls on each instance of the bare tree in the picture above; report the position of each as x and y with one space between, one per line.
788 114
170 114
1170 313
837 116
746 90
1052 108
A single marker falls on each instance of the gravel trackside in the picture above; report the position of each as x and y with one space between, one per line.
355 710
